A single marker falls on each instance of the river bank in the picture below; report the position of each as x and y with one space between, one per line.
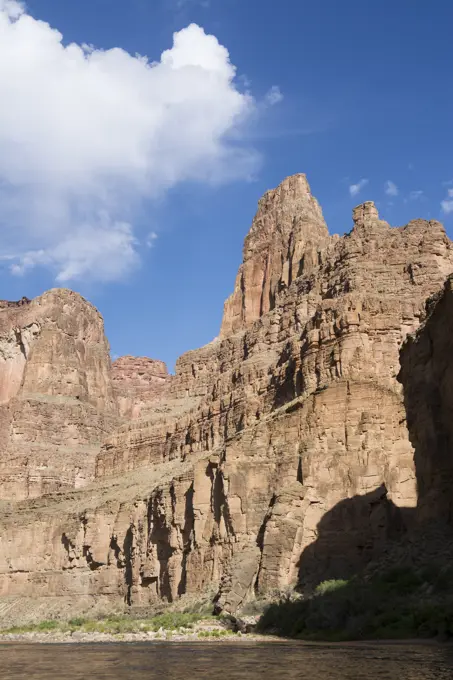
164 636
172 626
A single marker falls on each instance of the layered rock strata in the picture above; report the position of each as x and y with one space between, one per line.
138 382
230 474
56 397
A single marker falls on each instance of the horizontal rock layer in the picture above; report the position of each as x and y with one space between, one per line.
137 382
56 395
240 472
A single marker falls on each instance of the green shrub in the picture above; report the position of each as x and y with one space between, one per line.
216 633
398 603
330 586
47 625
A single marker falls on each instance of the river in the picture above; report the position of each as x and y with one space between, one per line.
225 661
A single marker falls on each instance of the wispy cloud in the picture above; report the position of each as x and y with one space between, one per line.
416 195
447 203
390 188
273 96
355 189
151 239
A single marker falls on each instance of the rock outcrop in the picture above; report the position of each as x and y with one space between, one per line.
283 243
56 397
230 469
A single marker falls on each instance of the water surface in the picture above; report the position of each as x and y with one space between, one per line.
226 661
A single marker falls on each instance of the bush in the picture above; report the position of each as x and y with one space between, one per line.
47 625
330 586
398 603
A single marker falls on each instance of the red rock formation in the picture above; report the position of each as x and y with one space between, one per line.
227 477
282 244
138 382
56 397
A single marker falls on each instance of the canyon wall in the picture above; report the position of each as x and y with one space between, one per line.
137 382
231 474
56 397
427 379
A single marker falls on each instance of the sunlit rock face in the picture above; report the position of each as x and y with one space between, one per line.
137 382
241 472
56 397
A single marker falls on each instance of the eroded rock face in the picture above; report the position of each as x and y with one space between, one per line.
56 396
138 382
282 244
241 472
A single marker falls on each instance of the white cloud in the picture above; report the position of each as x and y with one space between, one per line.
105 251
416 195
355 189
88 134
447 204
391 189
274 96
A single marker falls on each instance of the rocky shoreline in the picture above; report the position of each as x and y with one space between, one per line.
165 636
172 627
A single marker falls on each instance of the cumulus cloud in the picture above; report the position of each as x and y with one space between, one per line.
447 203
88 134
391 189
355 189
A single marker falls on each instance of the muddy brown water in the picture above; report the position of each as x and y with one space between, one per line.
225 661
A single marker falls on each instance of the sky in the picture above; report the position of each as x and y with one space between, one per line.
136 139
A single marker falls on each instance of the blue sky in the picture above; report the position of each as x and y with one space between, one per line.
362 97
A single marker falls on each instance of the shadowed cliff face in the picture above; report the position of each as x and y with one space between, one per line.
352 534
427 379
262 441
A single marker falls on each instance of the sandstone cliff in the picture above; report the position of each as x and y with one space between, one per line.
56 396
137 382
227 473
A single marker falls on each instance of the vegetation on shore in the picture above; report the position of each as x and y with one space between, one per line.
166 623
399 603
